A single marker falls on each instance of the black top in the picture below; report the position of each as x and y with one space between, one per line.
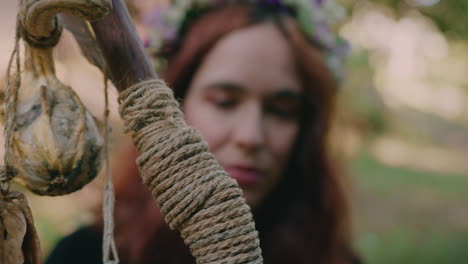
83 246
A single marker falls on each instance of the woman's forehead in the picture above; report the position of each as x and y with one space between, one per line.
257 56
259 40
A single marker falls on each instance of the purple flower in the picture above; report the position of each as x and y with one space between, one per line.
146 42
319 2
154 17
311 16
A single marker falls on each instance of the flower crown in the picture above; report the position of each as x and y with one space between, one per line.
315 17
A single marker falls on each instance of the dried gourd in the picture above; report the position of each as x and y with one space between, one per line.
19 243
56 142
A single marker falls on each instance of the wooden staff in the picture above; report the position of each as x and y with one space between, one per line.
121 47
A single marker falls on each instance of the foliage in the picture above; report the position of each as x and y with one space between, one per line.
408 216
449 15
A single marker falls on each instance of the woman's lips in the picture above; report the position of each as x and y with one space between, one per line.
244 175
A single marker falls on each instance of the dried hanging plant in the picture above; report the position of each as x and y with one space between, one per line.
56 145
53 143
19 243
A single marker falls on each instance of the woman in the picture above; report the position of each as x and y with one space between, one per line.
259 91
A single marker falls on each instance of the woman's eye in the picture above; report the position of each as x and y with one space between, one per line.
280 112
222 100
285 112
225 103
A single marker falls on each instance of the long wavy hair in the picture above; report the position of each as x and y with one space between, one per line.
305 219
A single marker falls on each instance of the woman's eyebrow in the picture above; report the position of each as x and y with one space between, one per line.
286 94
230 87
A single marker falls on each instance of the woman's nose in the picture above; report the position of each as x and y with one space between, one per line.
249 129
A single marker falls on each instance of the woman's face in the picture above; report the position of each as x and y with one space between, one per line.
245 100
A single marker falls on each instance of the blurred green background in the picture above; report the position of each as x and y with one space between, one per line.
401 129
406 99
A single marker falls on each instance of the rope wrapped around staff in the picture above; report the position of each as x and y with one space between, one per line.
195 194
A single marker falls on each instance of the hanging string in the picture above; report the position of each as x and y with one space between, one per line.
11 96
109 248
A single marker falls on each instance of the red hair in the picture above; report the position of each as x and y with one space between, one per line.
305 219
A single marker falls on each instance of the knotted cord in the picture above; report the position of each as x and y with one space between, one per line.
110 255
11 96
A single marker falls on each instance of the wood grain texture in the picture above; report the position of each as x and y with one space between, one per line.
38 17
122 49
